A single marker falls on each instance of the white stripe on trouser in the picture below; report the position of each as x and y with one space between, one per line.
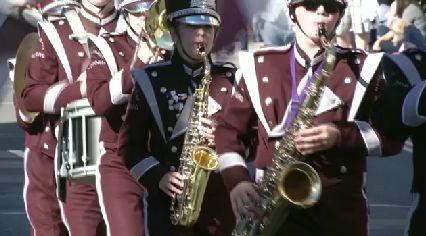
25 190
364 194
99 189
64 218
416 198
145 211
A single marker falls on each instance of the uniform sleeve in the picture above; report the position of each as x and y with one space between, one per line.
133 144
363 136
103 91
43 88
31 125
234 124
413 108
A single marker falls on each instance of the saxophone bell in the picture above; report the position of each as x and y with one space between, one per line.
300 184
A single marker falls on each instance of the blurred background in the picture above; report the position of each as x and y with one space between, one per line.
246 25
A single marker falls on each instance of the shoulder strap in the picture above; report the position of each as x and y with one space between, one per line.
107 53
78 31
55 40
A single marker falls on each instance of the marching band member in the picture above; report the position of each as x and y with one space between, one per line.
275 79
152 135
53 80
109 84
400 112
41 204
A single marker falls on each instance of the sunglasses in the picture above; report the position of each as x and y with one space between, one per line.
329 6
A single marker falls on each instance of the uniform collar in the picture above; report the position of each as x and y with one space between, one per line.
90 16
193 72
304 60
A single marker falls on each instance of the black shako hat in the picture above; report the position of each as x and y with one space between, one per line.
193 12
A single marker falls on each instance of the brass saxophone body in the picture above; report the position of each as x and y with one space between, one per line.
197 160
288 181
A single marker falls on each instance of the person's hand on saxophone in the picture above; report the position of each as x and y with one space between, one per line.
317 138
172 183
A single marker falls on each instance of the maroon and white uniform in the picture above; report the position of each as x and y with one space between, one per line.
59 59
151 141
109 84
262 97
41 204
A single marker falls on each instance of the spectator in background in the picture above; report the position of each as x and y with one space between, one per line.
401 33
411 11
356 15
382 13
274 24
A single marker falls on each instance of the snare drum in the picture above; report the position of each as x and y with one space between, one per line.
78 143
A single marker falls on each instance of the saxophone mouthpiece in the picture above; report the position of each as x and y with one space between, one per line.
323 35
322 31
201 48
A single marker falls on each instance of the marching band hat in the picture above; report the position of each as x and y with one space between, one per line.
133 6
56 7
193 12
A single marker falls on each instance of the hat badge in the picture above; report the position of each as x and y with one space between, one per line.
204 3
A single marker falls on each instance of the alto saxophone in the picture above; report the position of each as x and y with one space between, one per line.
197 160
288 181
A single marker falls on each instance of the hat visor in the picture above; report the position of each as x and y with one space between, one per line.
199 20
58 8
137 7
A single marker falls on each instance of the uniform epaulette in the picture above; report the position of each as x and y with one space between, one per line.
226 64
57 19
157 65
341 50
226 68
271 50
60 21
115 33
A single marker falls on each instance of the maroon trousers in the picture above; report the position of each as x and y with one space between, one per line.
81 213
41 203
120 196
81 210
